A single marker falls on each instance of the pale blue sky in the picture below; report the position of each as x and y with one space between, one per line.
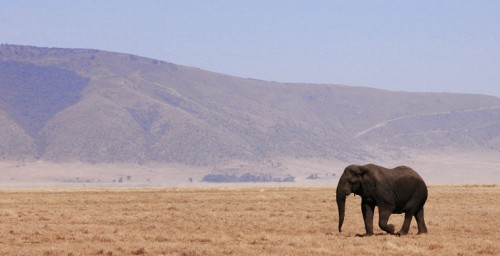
434 45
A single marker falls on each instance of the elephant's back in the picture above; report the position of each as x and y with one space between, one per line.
406 172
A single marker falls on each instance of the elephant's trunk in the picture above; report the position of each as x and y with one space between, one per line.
341 206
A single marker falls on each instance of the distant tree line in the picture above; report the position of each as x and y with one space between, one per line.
247 177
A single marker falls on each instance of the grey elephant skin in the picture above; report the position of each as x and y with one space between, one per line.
398 190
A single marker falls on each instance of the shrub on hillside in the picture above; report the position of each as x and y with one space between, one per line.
247 177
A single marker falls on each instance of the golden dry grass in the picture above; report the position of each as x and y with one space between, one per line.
462 220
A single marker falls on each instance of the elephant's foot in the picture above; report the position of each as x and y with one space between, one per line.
388 228
422 229
402 233
364 235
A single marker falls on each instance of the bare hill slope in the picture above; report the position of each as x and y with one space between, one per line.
64 105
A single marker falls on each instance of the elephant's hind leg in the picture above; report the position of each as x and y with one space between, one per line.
419 216
406 225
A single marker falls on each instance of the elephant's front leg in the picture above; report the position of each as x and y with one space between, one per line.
368 209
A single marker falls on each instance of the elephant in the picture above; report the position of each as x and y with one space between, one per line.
398 190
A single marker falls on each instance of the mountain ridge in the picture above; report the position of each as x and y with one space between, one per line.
118 107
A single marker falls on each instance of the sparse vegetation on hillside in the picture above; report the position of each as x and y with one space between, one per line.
462 220
247 177
34 94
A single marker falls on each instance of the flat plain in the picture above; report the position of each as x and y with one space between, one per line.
462 220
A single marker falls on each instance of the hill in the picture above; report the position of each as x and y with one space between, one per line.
78 105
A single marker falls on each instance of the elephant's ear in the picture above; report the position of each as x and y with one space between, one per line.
357 170
368 179
362 170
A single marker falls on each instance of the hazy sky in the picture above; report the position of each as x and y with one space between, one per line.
434 45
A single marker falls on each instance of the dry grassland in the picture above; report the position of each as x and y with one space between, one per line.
462 220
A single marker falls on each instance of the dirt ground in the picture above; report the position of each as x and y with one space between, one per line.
462 220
